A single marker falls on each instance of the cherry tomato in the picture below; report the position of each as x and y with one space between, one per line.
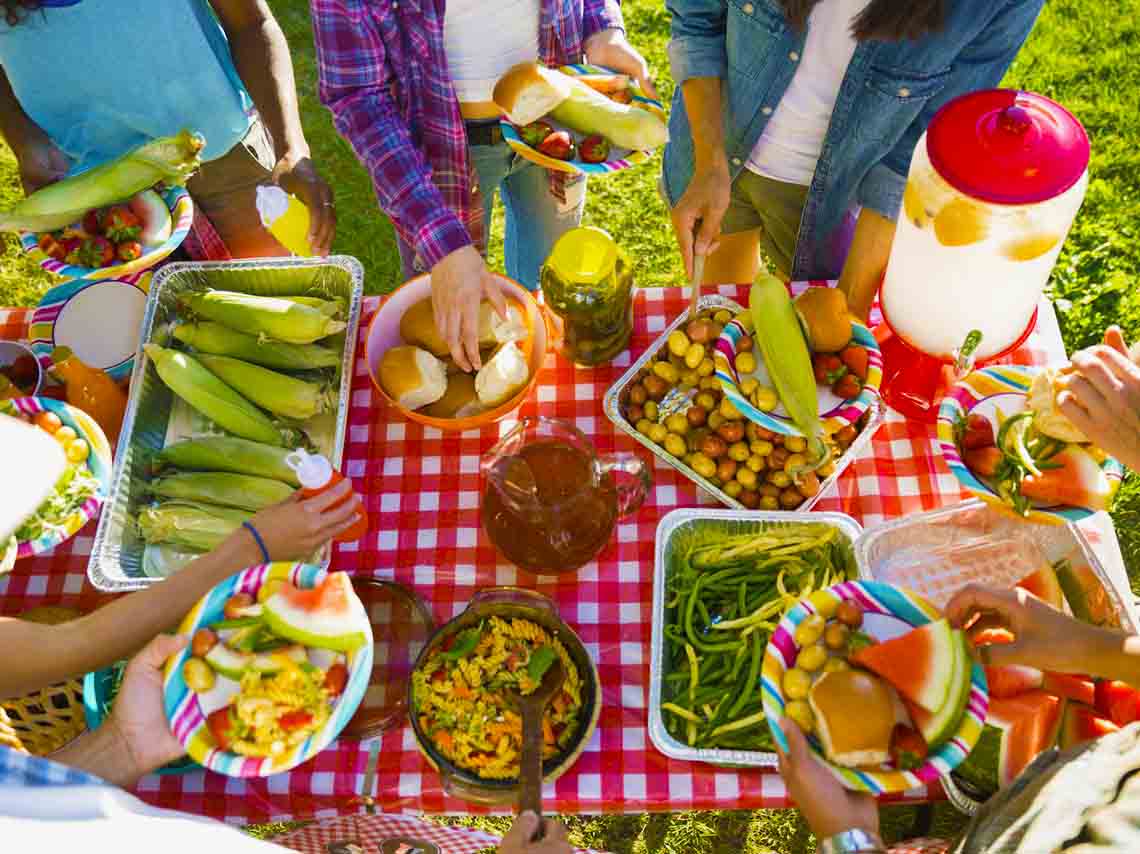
48 421
236 604
850 614
221 727
202 642
336 677
295 719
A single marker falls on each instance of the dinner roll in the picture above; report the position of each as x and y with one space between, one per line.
499 379
459 401
412 377
418 327
528 91
1047 416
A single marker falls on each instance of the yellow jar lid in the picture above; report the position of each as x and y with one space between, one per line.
584 255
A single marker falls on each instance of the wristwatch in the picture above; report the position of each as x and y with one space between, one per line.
854 841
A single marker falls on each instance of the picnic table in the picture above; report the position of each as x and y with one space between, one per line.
422 492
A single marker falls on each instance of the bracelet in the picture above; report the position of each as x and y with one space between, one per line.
853 841
257 539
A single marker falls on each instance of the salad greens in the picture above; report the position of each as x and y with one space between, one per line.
75 486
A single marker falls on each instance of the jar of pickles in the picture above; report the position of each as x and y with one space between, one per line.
587 283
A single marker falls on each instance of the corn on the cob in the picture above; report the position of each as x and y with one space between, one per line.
192 382
334 308
171 159
218 340
279 393
189 524
229 454
222 488
273 317
781 341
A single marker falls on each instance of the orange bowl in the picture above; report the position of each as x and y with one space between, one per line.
384 332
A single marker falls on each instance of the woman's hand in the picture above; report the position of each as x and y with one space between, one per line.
41 161
458 284
298 175
517 840
704 202
1102 397
610 49
297 527
828 806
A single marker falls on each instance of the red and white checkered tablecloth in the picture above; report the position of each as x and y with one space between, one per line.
422 490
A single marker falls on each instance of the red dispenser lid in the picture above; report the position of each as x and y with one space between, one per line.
1007 147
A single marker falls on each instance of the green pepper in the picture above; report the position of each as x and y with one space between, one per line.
236 623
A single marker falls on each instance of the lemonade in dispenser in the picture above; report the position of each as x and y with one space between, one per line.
993 188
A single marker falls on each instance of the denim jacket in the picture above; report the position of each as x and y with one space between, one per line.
888 96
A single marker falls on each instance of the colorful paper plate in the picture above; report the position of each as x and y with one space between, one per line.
984 392
182 214
620 158
98 460
834 412
184 709
98 319
907 609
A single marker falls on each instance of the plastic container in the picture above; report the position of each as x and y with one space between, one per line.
286 218
317 475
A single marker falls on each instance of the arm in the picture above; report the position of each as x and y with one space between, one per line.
41 162
605 44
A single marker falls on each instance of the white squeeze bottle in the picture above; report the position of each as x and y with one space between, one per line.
316 475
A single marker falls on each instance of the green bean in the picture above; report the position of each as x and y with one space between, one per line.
704 612
753 674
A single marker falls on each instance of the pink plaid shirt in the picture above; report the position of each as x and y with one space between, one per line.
383 75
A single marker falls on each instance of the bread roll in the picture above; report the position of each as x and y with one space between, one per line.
502 377
854 716
459 401
418 327
412 377
1047 417
825 319
625 125
528 91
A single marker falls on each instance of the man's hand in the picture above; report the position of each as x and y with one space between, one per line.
298 175
517 840
458 284
297 527
610 49
704 202
41 162
828 807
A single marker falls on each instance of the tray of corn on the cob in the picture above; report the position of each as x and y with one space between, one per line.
221 391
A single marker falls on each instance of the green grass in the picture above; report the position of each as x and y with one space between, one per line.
1081 53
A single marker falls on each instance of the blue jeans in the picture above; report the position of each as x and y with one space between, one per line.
535 219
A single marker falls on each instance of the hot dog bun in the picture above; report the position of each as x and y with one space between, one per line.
528 91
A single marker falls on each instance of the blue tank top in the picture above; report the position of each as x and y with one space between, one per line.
103 76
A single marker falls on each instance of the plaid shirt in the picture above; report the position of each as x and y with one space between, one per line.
383 75
23 769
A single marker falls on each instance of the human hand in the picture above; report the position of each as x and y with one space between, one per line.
610 49
296 527
703 203
41 161
298 175
518 838
138 719
1101 395
827 805
458 284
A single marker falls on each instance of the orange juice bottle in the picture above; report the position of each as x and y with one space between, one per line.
316 474
91 390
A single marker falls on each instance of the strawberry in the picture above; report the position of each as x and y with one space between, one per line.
93 222
558 145
71 249
983 461
120 223
1118 701
535 133
129 250
827 368
978 432
52 247
221 727
908 748
594 149
856 359
847 387
95 252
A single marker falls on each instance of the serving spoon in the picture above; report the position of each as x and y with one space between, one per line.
531 707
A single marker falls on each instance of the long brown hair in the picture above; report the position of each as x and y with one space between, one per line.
882 20
15 11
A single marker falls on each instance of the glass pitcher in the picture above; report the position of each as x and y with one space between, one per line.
550 502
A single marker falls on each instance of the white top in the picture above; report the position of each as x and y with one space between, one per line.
789 148
483 40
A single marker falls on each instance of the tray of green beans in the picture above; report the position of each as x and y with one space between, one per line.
722 581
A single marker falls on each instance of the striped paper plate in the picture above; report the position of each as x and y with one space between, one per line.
875 598
834 412
98 460
985 392
620 158
182 214
186 714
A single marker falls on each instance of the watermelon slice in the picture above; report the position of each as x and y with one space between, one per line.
1069 686
1030 725
920 664
1045 586
328 616
152 211
1081 723
231 663
1117 701
1010 680
937 727
1087 598
1078 481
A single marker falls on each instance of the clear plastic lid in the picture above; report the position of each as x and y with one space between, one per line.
313 470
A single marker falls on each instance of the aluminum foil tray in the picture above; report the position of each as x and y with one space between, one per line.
746 521
611 403
120 560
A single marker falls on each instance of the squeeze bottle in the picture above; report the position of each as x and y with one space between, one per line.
316 474
285 217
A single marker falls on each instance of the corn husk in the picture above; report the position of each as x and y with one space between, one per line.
170 160
189 525
333 308
273 317
279 393
222 488
218 340
229 454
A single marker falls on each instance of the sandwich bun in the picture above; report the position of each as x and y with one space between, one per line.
500 378
418 327
459 401
528 91
825 319
412 377
1047 417
855 715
